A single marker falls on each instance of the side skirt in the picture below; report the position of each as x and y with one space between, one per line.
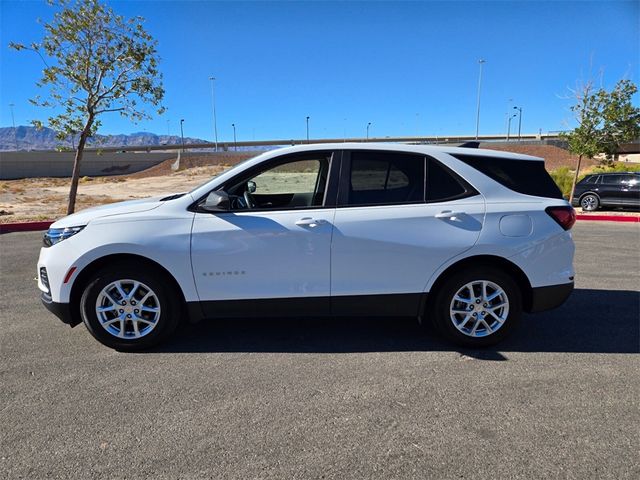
394 305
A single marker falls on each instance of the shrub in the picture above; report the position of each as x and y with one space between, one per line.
616 167
563 178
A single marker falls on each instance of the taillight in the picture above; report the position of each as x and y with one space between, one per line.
565 216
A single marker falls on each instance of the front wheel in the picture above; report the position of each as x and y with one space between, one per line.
128 308
477 307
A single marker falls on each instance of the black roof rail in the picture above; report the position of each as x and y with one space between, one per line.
469 145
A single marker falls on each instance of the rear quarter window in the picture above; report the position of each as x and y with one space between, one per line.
443 184
632 180
523 176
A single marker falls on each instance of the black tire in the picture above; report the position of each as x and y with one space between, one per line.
169 306
590 202
441 315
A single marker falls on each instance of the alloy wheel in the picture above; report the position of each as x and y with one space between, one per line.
589 203
479 308
128 309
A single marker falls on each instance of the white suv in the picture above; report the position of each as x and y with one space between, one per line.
466 238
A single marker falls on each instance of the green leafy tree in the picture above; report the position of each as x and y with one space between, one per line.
96 62
584 140
605 121
620 119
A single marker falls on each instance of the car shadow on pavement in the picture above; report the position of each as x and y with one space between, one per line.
594 321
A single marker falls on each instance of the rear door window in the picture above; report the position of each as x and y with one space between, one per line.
384 178
523 176
612 179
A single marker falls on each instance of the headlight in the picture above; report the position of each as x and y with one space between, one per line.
56 235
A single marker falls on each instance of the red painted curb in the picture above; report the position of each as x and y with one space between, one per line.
24 226
609 218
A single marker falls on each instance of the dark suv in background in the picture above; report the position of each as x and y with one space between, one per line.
608 190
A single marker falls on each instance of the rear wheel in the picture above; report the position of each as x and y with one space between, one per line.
127 307
477 307
589 202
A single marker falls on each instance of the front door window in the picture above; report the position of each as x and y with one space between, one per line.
295 184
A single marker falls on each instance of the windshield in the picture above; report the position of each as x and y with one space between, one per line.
225 171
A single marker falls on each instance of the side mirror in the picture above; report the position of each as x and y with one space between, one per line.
216 202
251 186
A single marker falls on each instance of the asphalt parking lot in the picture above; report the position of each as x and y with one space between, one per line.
341 398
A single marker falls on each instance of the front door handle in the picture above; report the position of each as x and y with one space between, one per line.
310 222
449 214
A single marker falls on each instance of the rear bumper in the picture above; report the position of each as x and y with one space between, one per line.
60 310
547 298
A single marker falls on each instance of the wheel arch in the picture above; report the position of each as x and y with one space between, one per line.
492 261
87 272
588 192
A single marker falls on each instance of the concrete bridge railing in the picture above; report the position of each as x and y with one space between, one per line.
15 165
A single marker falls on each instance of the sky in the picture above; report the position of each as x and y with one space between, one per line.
409 68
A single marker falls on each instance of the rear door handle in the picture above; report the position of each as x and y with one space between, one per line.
310 222
449 214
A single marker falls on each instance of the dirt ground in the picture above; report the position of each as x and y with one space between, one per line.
46 198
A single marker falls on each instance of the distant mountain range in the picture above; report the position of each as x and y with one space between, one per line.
31 138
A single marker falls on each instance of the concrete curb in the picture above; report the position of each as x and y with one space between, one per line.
36 226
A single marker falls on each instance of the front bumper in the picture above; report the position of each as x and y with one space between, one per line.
547 298
60 310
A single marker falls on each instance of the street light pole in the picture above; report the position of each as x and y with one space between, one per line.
13 122
507 112
182 133
235 142
481 62
213 107
308 129
368 125
509 126
519 120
